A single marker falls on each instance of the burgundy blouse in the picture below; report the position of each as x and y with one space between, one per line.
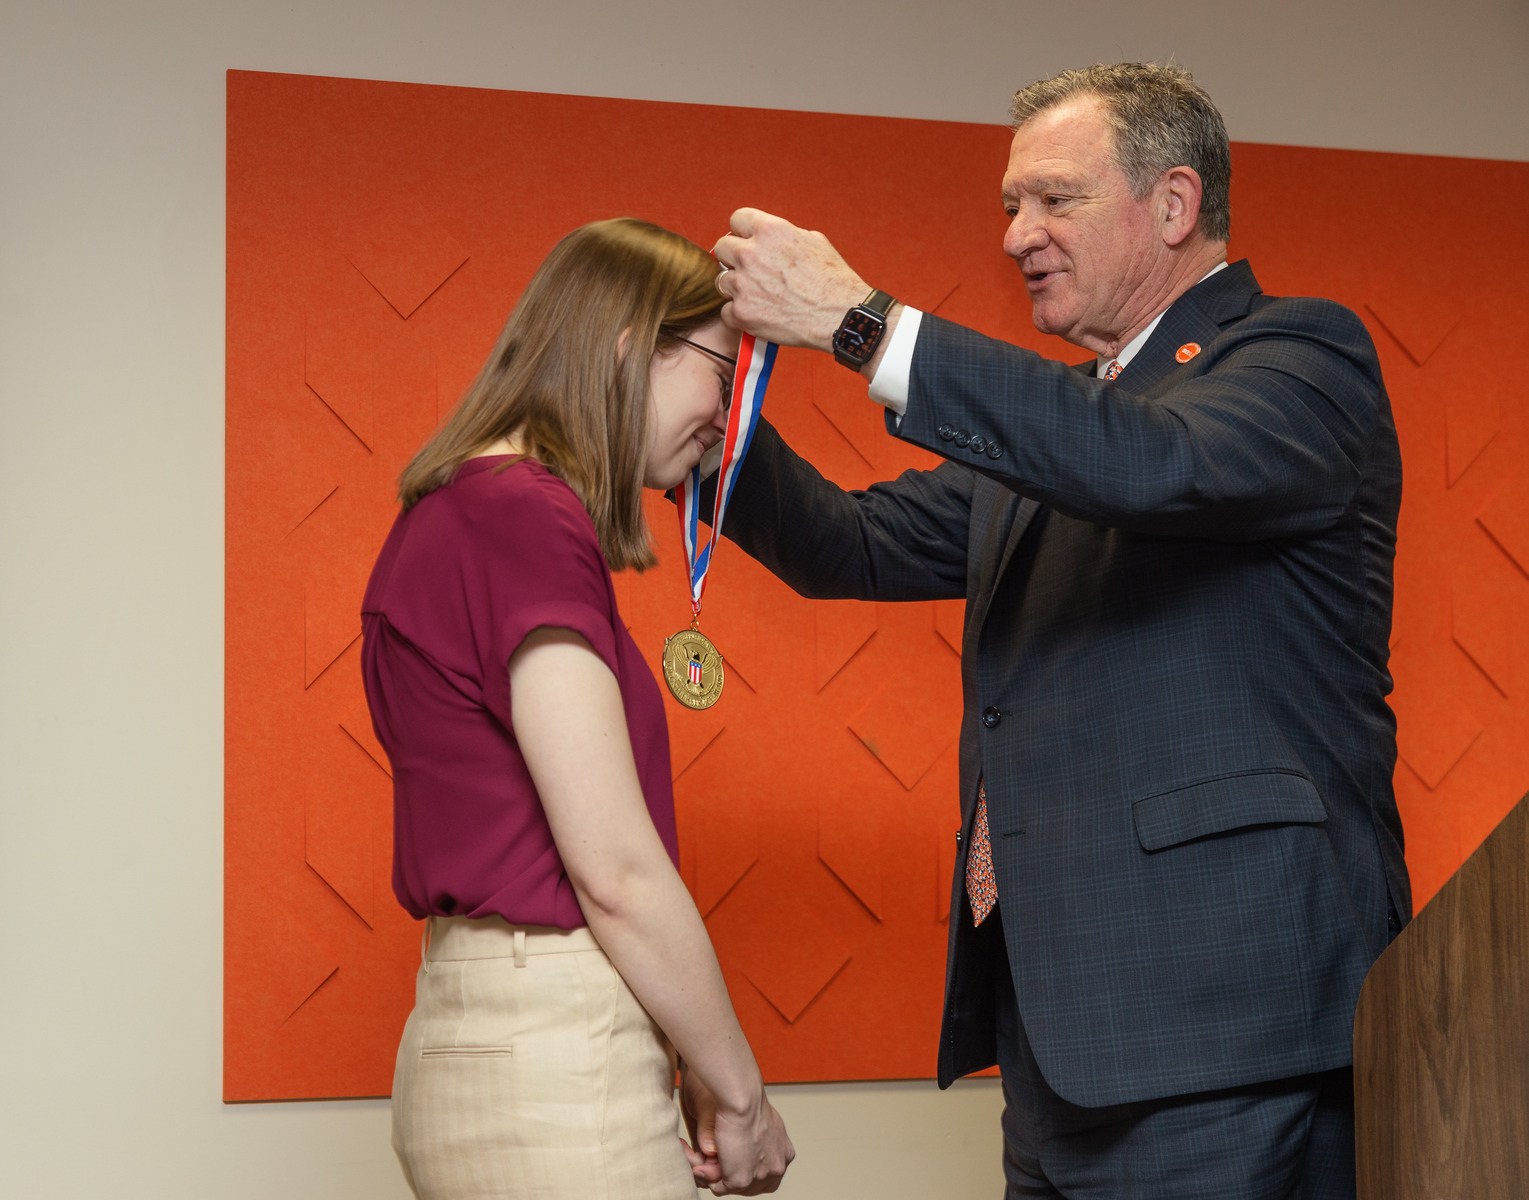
463 577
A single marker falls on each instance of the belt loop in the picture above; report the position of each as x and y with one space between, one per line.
424 944
520 947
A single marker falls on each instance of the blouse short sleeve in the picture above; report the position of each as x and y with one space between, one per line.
541 565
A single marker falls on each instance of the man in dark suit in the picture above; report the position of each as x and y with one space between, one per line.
1181 850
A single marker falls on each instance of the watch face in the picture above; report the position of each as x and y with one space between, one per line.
857 337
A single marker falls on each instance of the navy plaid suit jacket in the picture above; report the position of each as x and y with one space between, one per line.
1174 662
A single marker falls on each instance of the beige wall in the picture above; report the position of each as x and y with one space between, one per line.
111 309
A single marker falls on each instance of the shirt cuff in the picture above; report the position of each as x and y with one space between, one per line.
889 386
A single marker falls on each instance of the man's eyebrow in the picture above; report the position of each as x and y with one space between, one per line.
1032 185
1050 183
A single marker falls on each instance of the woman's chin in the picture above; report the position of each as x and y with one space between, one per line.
665 475
661 479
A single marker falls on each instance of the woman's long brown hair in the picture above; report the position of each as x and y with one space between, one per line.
568 378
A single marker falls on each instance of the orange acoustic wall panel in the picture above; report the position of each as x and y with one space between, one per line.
377 236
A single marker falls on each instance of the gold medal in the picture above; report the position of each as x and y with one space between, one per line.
692 668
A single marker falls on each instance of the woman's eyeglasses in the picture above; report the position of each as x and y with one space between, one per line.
727 396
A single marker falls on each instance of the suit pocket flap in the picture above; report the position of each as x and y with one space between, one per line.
1221 805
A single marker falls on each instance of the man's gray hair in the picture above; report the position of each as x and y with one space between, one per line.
1162 119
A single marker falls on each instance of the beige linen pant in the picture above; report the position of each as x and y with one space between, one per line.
529 1070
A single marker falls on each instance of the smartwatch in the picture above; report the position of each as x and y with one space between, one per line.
862 329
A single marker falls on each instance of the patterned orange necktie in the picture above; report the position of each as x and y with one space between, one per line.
1113 369
981 888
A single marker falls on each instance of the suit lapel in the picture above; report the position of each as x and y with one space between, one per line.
1024 513
1192 321
1008 516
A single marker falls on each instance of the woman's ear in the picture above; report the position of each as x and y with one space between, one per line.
623 339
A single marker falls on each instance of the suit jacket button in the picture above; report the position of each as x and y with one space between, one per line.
946 432
991 716
962 438
994 450
979 443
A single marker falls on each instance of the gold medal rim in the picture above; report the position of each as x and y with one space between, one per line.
679 687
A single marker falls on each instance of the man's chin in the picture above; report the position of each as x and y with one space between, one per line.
1048 322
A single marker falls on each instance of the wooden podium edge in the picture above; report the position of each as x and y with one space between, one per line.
1441 1038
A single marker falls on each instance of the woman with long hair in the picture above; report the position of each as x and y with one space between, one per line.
565 965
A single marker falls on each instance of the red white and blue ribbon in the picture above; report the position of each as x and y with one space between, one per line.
756 359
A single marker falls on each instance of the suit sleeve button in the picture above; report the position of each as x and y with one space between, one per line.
979 443
946 432
994 450
962 438
991 716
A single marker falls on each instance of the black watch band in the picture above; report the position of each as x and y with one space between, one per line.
862 329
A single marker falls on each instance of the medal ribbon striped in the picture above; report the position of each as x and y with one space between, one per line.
756 359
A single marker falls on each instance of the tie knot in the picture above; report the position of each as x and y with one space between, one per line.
1114 369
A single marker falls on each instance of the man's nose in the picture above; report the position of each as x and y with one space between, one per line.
1024 234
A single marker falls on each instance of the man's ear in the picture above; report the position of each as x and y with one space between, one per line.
1179 192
